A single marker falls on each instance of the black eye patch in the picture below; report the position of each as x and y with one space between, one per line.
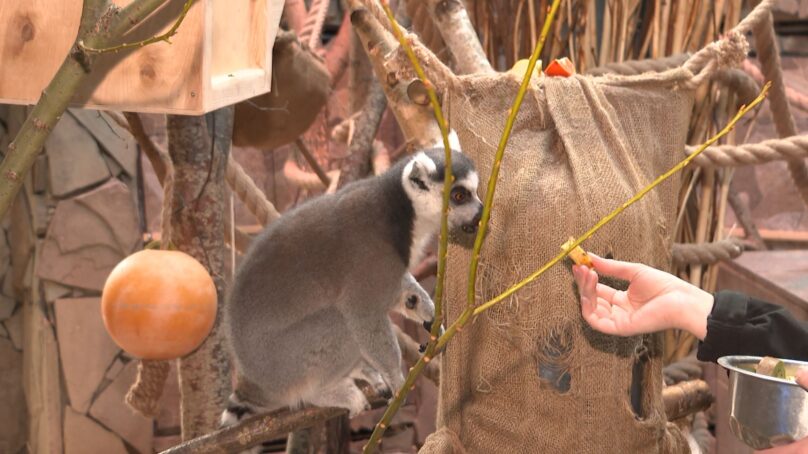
420 183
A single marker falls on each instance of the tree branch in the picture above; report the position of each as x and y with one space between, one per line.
164 37
416 121
262 428
358 165
452 20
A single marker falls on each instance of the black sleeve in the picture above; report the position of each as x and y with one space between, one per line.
742 325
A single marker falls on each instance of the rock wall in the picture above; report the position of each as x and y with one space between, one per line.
63 378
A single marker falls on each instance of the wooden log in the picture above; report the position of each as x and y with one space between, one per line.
686 398
197 223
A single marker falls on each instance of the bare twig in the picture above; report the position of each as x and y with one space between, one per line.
154 39
304 150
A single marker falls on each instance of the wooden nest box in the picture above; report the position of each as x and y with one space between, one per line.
221 54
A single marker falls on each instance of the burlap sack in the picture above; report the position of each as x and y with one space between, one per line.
300 88
529 375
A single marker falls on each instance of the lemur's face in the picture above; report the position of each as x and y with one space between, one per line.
423 179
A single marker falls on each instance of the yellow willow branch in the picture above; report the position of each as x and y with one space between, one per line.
608 218
503 142
448 179
432 346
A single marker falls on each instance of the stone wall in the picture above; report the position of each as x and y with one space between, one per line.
63 378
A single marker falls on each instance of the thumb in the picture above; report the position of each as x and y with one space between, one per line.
615 268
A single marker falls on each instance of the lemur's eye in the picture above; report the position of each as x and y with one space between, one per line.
459 195
412 300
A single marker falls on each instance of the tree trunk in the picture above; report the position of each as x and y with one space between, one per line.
200 159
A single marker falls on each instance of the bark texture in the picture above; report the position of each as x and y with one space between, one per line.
200 159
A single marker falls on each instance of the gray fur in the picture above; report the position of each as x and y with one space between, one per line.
308 309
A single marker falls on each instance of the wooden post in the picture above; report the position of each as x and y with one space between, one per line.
200 159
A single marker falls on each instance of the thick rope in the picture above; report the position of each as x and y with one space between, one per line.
634 67
737 81
746 87
769 56
795 98
313 26
687 368
144 395
706 253
790 148
249 193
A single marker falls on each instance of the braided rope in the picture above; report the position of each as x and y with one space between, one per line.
249 193
706 253
634 67
687 368
795 98
794 147
769 56
313 26
145 394
737 81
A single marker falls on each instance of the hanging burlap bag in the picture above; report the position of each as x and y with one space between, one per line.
300 88
529 375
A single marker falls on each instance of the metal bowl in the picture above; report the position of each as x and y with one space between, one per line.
766 411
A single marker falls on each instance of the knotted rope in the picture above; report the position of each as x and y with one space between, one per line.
790 148
144 395
706 253
729 51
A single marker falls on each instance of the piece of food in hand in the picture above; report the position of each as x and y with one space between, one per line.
577 254
560 67
772 367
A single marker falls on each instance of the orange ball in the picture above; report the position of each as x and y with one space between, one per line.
159 304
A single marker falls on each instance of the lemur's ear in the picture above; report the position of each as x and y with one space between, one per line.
418 173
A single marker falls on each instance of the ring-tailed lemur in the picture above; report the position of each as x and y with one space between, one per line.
308 308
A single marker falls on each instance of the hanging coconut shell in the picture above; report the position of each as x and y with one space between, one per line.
300 88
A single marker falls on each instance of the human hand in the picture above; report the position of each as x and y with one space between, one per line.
802 378
654 301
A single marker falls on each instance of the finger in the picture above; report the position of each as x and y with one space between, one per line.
606 292
616 268
802 378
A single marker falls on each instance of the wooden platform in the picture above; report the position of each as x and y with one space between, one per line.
779 277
